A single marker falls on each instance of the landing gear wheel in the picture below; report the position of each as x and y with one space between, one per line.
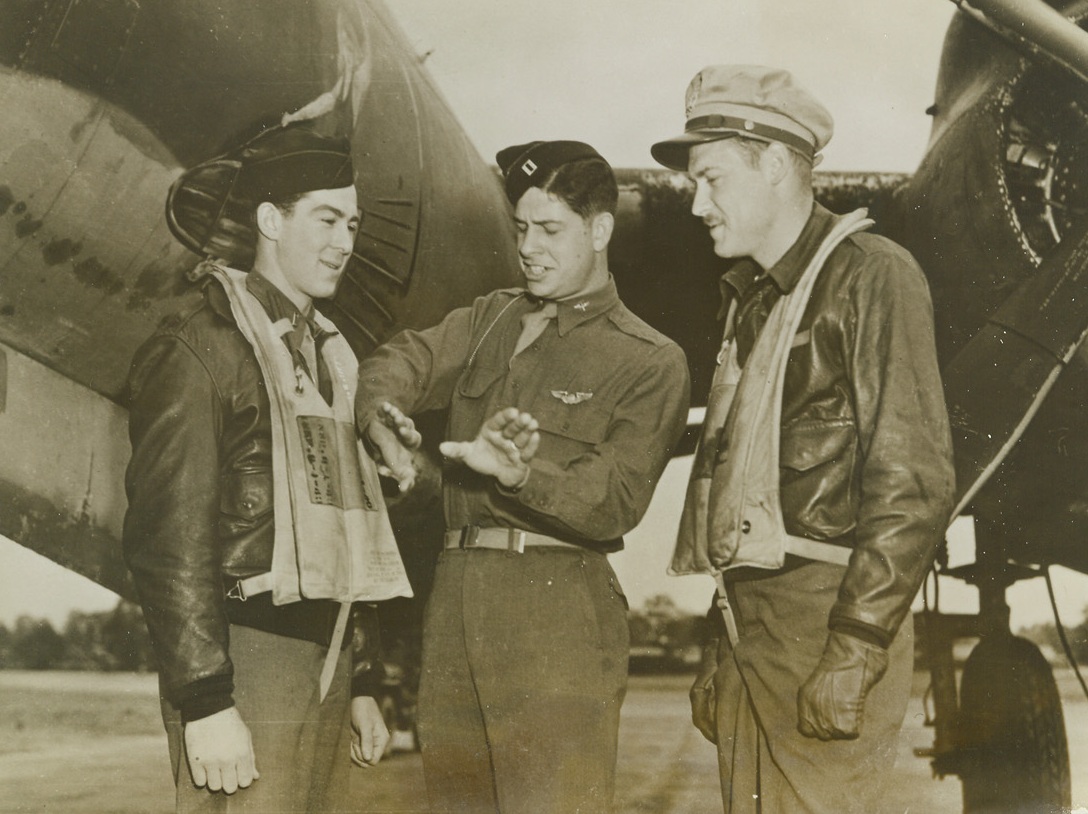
1012 753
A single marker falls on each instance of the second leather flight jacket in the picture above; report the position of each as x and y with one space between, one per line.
866 451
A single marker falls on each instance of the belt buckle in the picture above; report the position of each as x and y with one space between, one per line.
515 540
237 592
469 535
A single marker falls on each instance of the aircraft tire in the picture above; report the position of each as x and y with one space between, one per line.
1013 754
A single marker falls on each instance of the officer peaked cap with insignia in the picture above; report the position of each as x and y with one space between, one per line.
532 164
725 101
209 208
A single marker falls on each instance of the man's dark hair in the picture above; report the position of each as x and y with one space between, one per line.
285 203
587 186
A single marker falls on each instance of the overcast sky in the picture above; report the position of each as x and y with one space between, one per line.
613 73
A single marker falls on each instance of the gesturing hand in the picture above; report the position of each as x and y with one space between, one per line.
220 752
503 448
394 437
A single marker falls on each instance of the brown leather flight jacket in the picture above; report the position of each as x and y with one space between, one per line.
866 452
200 514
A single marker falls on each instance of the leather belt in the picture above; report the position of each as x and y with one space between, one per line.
501 539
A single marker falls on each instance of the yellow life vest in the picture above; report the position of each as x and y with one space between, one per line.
333 539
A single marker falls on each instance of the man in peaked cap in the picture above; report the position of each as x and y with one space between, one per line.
822 485
562 408
248 549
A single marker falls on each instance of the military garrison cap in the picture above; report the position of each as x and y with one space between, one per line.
532 164
724 101
210 207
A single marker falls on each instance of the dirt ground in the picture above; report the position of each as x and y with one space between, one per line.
93 744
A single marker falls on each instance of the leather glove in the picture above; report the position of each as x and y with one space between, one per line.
704 698
831 703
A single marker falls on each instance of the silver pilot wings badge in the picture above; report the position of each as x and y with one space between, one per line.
571 398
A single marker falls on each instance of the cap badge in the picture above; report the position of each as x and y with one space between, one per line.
571 398
528 167
749 124
694 89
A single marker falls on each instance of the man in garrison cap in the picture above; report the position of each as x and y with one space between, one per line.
563 406
254 515
822 484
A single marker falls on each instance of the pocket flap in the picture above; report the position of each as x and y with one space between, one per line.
580 422
477 380
246 494
808 445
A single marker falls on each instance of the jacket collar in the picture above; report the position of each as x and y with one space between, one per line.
275 303
786 273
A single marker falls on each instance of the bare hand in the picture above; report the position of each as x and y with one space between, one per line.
220 752
395 438
369 734
503 448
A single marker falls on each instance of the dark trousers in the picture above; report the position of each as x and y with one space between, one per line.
766 764
301 746
524 672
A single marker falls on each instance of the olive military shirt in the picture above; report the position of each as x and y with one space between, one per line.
610 394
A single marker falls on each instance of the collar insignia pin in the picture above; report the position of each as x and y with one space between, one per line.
581 306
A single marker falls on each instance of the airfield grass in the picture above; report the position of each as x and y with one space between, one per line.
93 744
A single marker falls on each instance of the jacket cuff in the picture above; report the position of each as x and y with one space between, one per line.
368 680
512 491
205 697
861 630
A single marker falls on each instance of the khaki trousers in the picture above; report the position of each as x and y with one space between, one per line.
524 672
301 746
766 765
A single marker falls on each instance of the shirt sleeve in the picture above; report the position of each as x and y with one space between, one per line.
169 536
415 370
602 493
907 476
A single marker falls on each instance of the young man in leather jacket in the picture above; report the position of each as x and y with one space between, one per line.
231 536
823 482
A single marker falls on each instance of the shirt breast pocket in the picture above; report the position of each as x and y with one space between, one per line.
477 380
583 424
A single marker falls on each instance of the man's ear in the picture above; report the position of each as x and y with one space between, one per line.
601 229
269 220
775 161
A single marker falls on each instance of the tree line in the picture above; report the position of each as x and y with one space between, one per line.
1047 636
116 640
113 640
663 639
